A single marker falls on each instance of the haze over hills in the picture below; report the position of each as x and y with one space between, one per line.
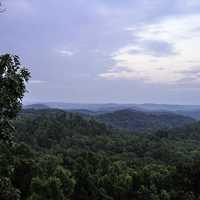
93 109
84 106
36 106
116 106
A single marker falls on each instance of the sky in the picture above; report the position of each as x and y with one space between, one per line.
106 51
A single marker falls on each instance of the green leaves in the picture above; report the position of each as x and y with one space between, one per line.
57 186
7 191
13 78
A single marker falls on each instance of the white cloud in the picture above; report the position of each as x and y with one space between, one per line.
183 33
64 52
37 82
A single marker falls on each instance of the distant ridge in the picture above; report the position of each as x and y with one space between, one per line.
116 106
93 109
36 106
138 121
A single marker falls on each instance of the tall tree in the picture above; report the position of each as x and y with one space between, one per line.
13 78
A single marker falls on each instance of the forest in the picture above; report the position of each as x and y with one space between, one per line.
61 155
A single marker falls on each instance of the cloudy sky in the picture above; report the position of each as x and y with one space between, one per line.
98 51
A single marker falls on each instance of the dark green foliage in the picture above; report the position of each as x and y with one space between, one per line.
61 156
12 89
56 186
7 191
138 121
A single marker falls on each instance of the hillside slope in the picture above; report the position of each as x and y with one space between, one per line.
143 121
89 156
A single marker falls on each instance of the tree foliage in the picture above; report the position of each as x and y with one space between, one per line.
12 88
59 155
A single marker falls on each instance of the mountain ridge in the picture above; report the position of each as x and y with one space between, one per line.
139 121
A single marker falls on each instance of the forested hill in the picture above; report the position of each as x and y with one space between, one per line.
60 156
138 121
45 127
188 132
56 129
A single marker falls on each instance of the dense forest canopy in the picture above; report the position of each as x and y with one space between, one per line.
61 155
141 121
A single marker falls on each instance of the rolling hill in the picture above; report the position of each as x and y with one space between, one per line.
139 121
192 111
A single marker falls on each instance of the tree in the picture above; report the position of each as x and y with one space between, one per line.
13 78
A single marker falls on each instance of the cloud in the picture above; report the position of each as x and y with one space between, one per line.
161 52
142 40
37 81
191 77
158 48
64 52
123 74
